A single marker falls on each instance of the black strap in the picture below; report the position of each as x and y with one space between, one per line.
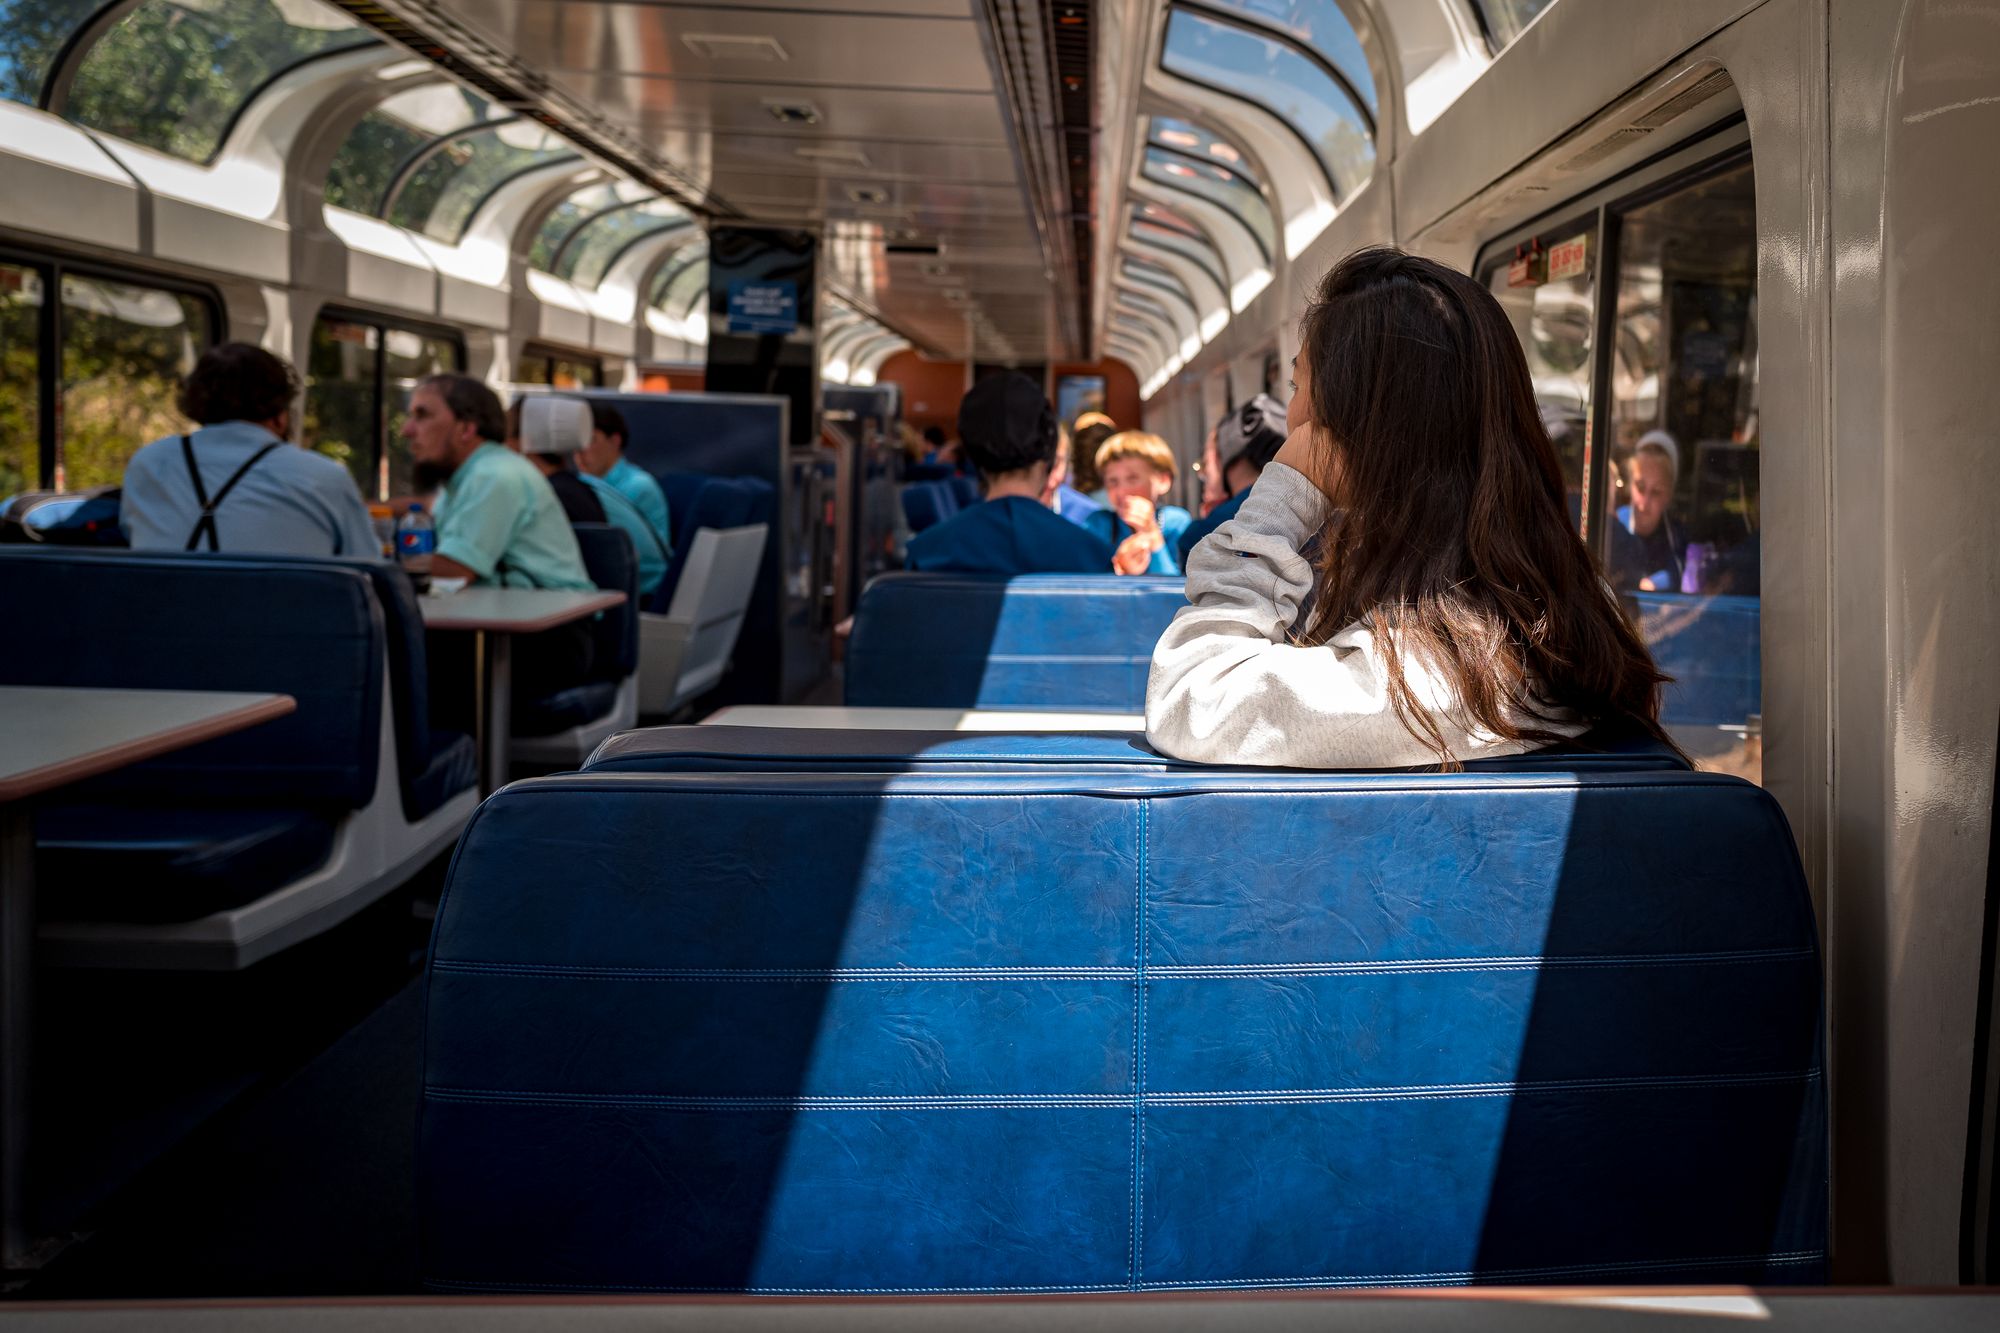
205 525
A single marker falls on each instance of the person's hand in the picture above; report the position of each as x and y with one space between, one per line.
1134 554
1138 513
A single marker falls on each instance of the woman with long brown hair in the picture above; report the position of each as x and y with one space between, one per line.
1447 610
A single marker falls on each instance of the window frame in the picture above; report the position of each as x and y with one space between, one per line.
551 353
1258 24
53 266
1171 285
413 162
383 326
1256 237
1215 273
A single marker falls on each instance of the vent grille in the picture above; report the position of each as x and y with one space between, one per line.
727 46
1604 147
1682 102
1072 41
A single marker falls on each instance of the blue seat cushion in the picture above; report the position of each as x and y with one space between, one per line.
113 862
564 709
453 767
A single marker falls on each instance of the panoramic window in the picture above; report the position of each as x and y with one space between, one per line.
1546 291
359 374
1182 157
681 281
390 139
1151 226
1505 20
173 76
449 187
1270 72
580 208
36 32
1319 26
1148 306
21 373
558 369
591 251
1156 277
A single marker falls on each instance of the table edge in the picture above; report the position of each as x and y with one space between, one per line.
35 781
600 601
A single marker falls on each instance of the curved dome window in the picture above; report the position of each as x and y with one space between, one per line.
395 140
584 206
1319 26
1256 66
1234 194
1156 277
679 283
442 195
1504 20
1166 230
173 75
36 31
594 247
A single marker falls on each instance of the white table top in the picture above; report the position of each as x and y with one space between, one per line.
53 736
919 719
515 610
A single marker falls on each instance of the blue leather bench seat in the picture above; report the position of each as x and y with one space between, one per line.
697 500
1710 645
613 564
433 763
1079 642
1011 1025
121 862
928 503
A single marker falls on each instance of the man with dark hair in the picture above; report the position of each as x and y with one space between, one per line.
603 459
235 484
1009 433
1246 441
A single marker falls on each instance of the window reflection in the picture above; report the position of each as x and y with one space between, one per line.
391 135
1547 294
1219 186
359 373
446 192
20 379
173 76
1151 226
1320 27
1276 76
125 349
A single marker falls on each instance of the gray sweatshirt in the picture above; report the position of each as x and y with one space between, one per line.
1227 686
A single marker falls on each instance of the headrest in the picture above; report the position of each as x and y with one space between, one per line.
553 425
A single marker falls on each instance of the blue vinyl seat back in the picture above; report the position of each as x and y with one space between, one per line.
926 504
613 565
706 502
1053 641
433 765
1710 645
312 629
1029 1030
964 489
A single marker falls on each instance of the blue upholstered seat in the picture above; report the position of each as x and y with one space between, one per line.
927 504
1017 1025
1080 642
613 564
153 862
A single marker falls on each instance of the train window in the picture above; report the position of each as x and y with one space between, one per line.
359 373
558 369
21 372
1166 230
396 138
1320 27
125 349
596 246
1546 292
1219 186
680 281
173 76
1156 278
579 209
1504 20
1267 71
443 194
37 34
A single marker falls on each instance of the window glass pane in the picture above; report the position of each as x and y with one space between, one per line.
1131 300
681 280
1187 137
1553 317
406 358
1682 532
1267 72
172 75
566 216
532 368
591 253
443 195
1174 239
342 415
567 373
1230 192
125 350
1505 19
387 137
1320 26
35 31
1157 278
20 379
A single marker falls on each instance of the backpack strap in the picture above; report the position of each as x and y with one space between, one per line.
205 526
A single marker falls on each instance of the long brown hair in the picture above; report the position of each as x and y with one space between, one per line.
1453 542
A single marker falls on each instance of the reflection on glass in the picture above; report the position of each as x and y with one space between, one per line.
1276 76
1320 26
20 379
173 73
1682 516
572 212
598 244
125 350
1505 19
1221 187
1551 309
376 149
1156 277
445 193
35 32
1195 249
343 418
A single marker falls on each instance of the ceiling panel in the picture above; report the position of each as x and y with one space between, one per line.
650 105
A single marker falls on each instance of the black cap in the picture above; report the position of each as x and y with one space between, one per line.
1253 433
1007 424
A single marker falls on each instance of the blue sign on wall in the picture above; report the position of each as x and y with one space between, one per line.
763 307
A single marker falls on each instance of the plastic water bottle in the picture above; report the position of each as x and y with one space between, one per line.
415 540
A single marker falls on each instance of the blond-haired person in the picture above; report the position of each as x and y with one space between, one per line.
1138 471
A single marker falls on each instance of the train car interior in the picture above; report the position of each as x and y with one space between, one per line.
657 662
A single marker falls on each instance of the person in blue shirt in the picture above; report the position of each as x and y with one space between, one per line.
553 431
1138 471
236 484
1009 433
604 459
1247 439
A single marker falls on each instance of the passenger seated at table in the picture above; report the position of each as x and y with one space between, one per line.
1009 432
1455 615
235 484
546 432
499 524
1138 471
603 460
1246 441
1648 548
1070 502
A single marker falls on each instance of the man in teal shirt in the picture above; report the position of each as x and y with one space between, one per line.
498 521
605 458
